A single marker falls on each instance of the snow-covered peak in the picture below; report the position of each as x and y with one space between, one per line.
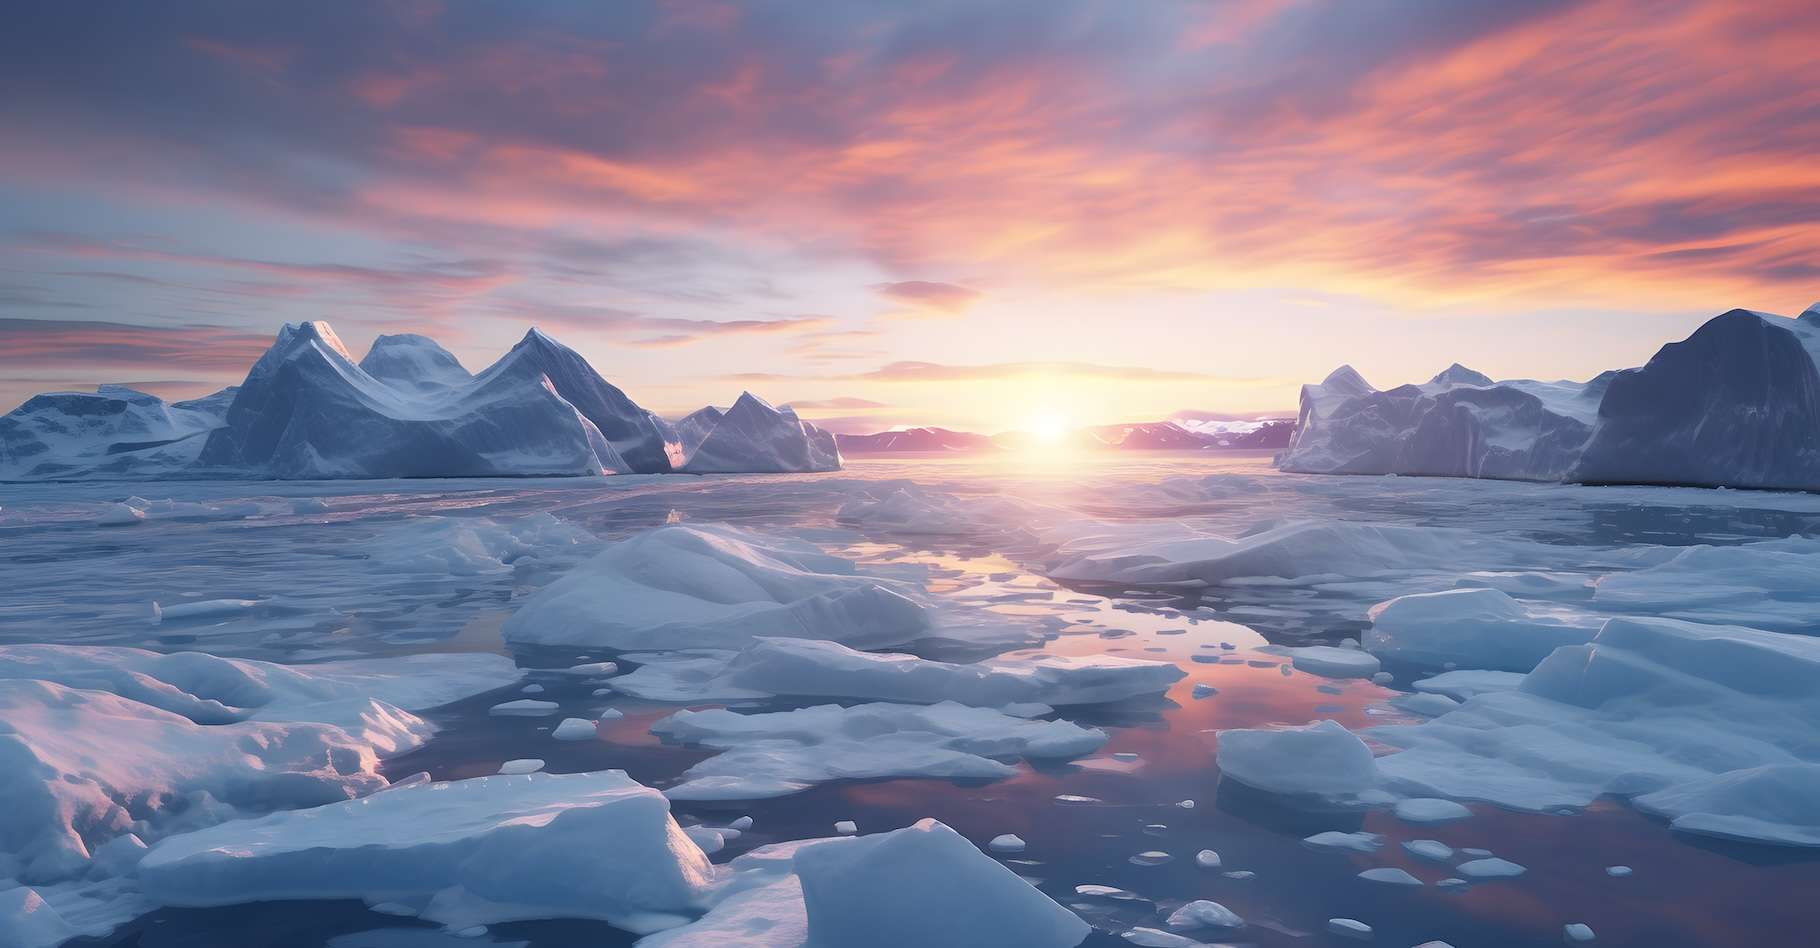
1457 374
1346 380
413 361
1811 314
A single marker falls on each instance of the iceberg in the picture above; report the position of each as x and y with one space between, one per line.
812 668
709 586
407 360
113 432
783 752
1735 404
754 438
462 853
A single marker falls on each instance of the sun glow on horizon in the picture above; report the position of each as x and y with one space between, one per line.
1047 429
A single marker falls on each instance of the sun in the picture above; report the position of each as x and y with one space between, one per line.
1047 429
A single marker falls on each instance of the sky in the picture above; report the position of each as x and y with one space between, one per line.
978 215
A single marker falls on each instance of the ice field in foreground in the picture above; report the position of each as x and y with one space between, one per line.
1403 703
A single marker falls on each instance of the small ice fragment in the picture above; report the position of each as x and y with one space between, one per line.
1204 690
1451 883
1434 944
1240 874
1389 875
524 706
1349 927
1104 891
709 839
742 824
472 931
1207 859
1203 913
1357 842
1150 858
120 515
1475 853
1006 843
200 609
1186 804
1156 938
846 827
590 670
601 692
1125 756
574 729
1577 933
1431 849
523 765
1617 871
612 714
398 909
1490 868
1075 798
1428 810
532 689
1383 678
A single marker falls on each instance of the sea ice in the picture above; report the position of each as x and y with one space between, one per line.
1202 913
1427 810
689 586
467 852
1328 661
1390 875
1360 842
809 668
574 729
1490 867
1006 843
1432 850
1473 628
523 765
1322 759
778 753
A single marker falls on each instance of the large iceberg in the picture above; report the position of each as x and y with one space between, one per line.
115 431
754 438
808 668
711 586
782 752
468 852
1737 404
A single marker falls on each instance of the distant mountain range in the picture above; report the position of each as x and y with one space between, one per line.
1185 434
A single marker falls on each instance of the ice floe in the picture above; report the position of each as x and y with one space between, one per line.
782 752
1322 759
688 586
1474 628
462 853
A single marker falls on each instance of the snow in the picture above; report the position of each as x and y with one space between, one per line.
783 752
1202 913
1690 716
1473 628
409 360
1322 759
804 667
687 586
463 853
753 437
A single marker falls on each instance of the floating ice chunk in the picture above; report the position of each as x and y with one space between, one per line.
1240 874
1473 628
574 729
742 824
1349 928
1006 843
846 827
1204 690
523 765
1577 933
1329 661
120 515
1489 868
708 838
1429 810
1651 706
1322 759
201 609
589 670
809 668
1152 857
610 714
778 753
1202 913
524 707
1357 842
531 689
1390 875
1777 803
1105 892
475 546
1617 872
1207 859
1157 938
1432 850
1770 584
689 586
474 852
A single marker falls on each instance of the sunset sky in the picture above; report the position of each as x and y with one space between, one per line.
961 213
